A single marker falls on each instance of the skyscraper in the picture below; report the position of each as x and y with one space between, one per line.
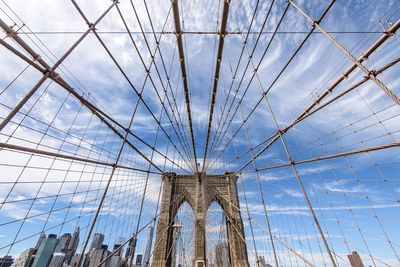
176 233
261 262
45 251
130 252
355 259
25 258
120 240
139 258
115 259
41 238
117 247
97 241
61 249
98 256
6 261
146 257
75 259
57 260
63 242
72 246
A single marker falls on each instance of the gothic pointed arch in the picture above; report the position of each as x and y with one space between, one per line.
200 191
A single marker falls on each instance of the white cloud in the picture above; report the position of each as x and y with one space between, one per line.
293 193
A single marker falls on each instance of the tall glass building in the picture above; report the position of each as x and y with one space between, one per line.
45 251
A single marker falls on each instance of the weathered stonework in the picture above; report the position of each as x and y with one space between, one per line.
199 192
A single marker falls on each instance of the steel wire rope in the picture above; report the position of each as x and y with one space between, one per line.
152 155
122 146
224 21
49 73
236 70
153 63
166 74
251 79
42 43
358 179
139 95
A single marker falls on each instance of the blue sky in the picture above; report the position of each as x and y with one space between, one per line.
346 192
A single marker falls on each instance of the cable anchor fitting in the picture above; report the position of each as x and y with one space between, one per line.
92 26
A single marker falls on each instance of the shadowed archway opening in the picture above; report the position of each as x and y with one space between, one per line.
183 237
217 245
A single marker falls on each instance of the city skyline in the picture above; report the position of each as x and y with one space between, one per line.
53 251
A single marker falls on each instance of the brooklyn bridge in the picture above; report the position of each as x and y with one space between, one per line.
199 133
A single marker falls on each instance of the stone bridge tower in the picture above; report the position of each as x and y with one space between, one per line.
199 191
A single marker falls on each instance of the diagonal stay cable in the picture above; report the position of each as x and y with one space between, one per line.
70 157
98 112
140 230
356 62
330 156
139 95
55 77
237 68
155 142
100 205
275 136
231 204
310 111
168 75
178 123
217 144
307 112
148 71
50 71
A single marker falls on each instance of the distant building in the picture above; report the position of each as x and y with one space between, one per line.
222 255
61 249
120 240
176 233
355 259
130 252
97 242
72 246
115 261
45 251
75 259
57 260
25 258
39 242
123 262
6 261
117 247
261 262
139 258
63 242
147 252
98 256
